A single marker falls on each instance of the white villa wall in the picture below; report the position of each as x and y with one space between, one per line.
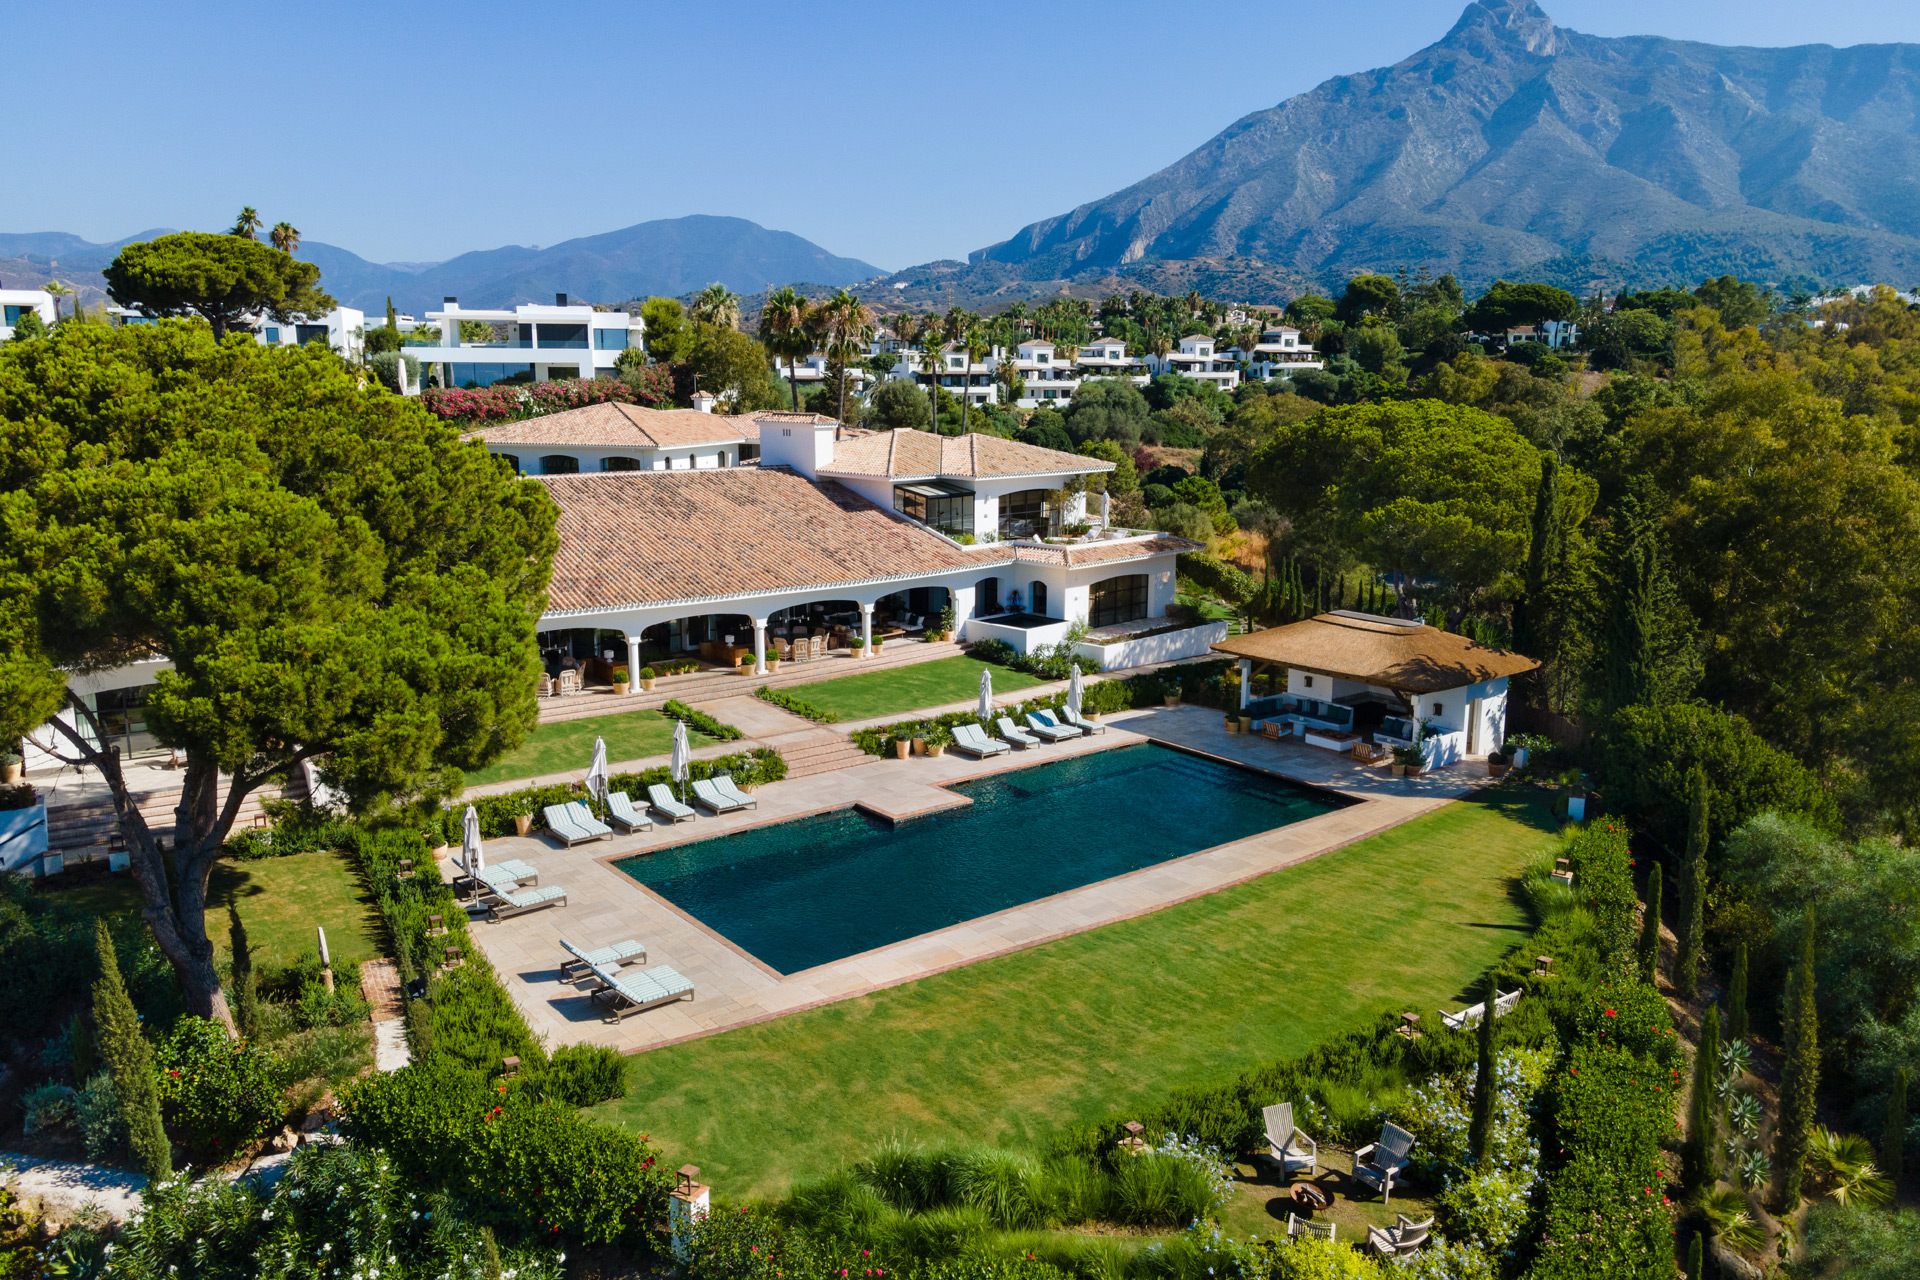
680 458
1168 646
40 301
346 331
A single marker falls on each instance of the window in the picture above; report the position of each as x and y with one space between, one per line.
1037 598
1120 599
305 333
271 332
1040 357
955 362
13 315
1439 710
609 339
1306 682
986 598
559 464
562 335
937 504
485 375
510 460
1024 514
619 464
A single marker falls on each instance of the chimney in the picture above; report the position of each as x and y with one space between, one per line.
803 444
452 303
559 299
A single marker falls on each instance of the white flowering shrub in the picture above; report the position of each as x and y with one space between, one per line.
1204 1252
1446 1260
1206 1159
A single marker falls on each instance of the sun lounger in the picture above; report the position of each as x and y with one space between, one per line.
503 880
666 806
1081 723
621 810
971 739
584 819
1048 730
502 905
512 871
618 955
638 992
724 781
562 823
709 795
1012 733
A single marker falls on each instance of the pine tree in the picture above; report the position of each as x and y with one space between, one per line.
1737 996
1480 1131
1799 1077
130 1058
1893 1142
1543 551
1696 1159
1650 930
1693 888
1696 1256
246 995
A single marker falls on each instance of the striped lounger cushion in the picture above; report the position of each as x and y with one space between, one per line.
637 992
547 895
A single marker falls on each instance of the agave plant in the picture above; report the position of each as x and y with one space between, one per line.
1736 1057
1726 1211
1725 1086
1755 1169
1733 1146
1744 1111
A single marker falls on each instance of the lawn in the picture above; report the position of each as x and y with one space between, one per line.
1009 1051
557 748
281 900
903 689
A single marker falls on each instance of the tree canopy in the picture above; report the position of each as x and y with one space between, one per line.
332 574
898 406
1511 306
1107 409
222 279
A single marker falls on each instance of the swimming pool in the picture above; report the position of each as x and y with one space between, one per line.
802 893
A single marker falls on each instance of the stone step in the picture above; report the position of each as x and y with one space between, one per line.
93 824
825 760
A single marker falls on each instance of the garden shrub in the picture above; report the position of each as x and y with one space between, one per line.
1047 661
218 1093
1229 582
97 1114
799 706
46 1107
582 1075
1603 876
677 710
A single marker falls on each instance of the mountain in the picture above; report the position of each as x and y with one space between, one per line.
666 257
1513 146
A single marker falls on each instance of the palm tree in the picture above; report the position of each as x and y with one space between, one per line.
977 348
286 237
248 224
785 322
716 305
954 326
848 325
58 290
1194 302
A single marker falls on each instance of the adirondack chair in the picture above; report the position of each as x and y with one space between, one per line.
1287 1147
1378 1163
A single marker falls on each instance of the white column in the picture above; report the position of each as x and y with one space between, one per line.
866 629
1246 680
759 646
633 661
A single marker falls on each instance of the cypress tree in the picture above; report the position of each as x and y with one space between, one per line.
1543 551
1631 618
1893 1142
1480 1131
1696 1158
1650 930
1693 887
130 1058
246 1002
392 320
1799 1077
1737 996
1696 1256
81 1040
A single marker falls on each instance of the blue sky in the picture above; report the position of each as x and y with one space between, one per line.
891 132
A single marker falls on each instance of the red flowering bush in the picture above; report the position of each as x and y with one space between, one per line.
1630 1016
218 1093
651 386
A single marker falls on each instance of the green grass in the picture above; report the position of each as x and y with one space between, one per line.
556 748
1009 1051
904 689
282 901
1208 607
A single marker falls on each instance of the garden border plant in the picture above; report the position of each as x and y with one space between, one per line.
799 706
678 710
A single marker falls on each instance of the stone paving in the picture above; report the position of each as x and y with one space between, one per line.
733 989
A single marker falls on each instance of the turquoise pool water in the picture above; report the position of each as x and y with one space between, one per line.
799 894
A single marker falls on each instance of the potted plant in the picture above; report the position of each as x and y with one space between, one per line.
901 746
1497 764
920 744
858 646
620 685
522 811
1406 762
436 835
1233 723
9 767
1171 692
646 679
877 642
937 738
773 663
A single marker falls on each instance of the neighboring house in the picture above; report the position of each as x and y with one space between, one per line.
811 371
627 437
343 329
1375 675
14 302
1280 354
1108 358
541 343
973 382
1197 359
1050 380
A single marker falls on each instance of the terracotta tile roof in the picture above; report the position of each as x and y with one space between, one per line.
972 456
614 426
1378 651
642 537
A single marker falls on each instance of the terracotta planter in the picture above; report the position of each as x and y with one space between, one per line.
1233 724
937 751
442 852
900 749
522 823
1496 770
919 746
1246 724
773 665
620 688
1399 770
11 773
647 685
1173 699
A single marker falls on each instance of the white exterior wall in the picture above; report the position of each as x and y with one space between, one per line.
346 331
38 300
589 361
700 457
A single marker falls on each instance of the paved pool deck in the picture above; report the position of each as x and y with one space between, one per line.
732 989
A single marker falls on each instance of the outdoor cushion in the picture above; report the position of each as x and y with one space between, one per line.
1047 717
663 801
547 895
709 795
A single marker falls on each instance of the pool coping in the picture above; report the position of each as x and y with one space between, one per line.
1338 800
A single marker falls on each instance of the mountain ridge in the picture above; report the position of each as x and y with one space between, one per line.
1512 142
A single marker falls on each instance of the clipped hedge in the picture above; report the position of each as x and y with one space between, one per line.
677 710
799 706
1230 583
496 812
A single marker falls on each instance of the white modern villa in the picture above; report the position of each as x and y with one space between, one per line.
565 340
1197 359
1279 353
343 329
16 302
